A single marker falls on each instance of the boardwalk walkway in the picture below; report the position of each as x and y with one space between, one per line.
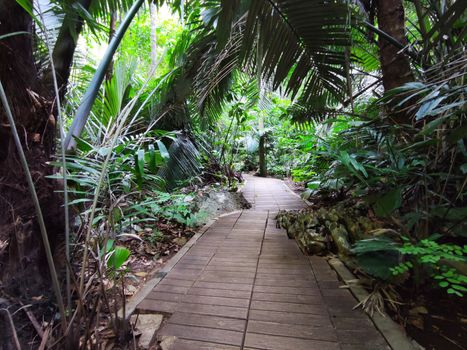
245 285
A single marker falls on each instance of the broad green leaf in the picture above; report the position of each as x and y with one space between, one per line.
427 107
163 150
140 163
152 164
109 245
118 257
389 202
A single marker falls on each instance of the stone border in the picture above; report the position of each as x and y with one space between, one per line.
132 304
391 331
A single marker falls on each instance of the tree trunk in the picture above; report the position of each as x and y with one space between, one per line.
262 156
65 47
394 65
153 14
112 27
23 260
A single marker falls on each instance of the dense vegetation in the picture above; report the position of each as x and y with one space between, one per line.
116 115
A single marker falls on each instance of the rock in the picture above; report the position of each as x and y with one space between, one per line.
386 232
167 342
365 224
333 216
180 241
147 324
137 228
341 239
315 248
418 310
352 227
130 289
311 243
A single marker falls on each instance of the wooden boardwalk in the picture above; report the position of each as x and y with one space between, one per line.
245 285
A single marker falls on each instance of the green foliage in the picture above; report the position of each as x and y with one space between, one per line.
387 203
156 236
377 256
438 260
306 78
118 256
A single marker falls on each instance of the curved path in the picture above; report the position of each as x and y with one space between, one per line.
245 285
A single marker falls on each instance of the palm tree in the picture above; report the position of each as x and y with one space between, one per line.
33 102
302 45
395 64
303 49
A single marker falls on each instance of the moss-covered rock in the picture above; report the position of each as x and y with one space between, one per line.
337 227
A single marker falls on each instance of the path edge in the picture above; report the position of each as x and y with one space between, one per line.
296 194
390 330
124 313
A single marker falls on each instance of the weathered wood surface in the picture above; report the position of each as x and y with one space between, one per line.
245 285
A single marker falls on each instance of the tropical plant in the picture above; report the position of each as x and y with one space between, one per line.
440 262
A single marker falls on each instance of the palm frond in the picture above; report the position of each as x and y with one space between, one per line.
184 162
302 44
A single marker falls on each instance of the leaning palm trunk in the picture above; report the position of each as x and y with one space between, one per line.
90 96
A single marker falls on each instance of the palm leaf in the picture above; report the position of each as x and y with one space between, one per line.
303 44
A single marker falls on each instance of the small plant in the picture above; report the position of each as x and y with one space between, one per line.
439 259
156 236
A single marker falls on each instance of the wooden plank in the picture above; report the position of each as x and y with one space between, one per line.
286 282
171 289
214 300
290 318
185 344
285 271
295 330
165 296
289 307
176 282
241 294
271 342
158 305
209 321
229 268
185 275
226 279
235 274
289 298
202 333
291 275
287 290
230 286
214 310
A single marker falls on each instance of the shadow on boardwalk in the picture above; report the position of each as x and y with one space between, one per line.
245 285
